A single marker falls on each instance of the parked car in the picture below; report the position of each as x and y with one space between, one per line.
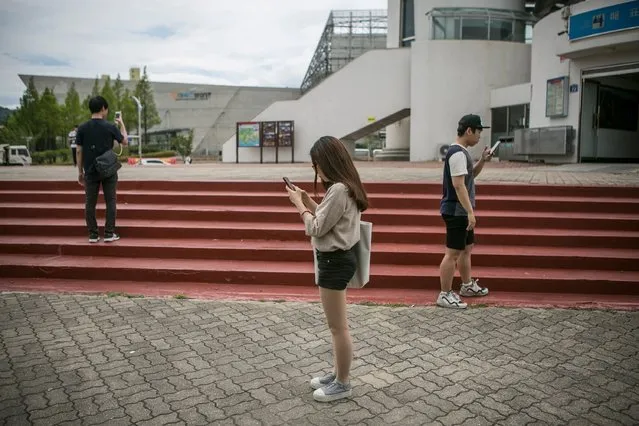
15 155
154 162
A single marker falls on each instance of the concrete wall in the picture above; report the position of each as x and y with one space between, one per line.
213 119
394 24
586 54
374 85
398 134
513 95
451 78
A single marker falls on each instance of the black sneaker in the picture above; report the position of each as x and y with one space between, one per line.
94 238
109 238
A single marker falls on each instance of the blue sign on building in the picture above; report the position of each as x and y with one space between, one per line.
623 16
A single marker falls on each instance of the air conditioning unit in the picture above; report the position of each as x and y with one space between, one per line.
442 150
554 140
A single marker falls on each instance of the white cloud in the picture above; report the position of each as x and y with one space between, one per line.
246 42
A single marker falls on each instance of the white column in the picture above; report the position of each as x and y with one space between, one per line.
398 135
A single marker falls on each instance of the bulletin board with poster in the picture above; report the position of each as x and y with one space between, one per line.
247 135
269 138
286 136
557 97
265 134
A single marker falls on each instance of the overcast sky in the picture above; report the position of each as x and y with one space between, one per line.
237 42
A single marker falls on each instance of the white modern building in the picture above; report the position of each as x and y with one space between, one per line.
211 111
569 94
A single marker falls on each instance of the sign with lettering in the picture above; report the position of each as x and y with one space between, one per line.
620 17
191 96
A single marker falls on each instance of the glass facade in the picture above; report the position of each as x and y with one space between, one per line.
481 24
408 22
505 120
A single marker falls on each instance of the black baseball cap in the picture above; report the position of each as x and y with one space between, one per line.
473 121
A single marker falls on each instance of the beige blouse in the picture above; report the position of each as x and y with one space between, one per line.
335 225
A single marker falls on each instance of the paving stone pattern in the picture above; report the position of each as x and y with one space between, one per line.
506 172
81 360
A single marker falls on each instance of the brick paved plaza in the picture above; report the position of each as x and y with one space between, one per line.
82 360
569 174
85 360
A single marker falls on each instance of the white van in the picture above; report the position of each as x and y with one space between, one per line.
15 155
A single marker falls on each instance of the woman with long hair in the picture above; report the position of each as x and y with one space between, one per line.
333 226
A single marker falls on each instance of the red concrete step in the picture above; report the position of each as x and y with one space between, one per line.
286 214
394 201
373 187
309 293
301 273
170 230
294 251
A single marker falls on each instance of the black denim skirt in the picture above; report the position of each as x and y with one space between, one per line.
336 268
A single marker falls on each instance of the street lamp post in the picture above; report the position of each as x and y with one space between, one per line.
137 101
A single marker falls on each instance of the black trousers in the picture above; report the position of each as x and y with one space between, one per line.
92 189
75 156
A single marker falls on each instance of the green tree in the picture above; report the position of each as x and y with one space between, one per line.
22 125
49 121
4 115
129 111
12 133
73 112
183 144
108 94
144 93
118 91
95 91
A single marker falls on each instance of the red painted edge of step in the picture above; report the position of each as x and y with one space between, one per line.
310 294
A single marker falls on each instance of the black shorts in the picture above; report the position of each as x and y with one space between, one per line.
457 237
336 268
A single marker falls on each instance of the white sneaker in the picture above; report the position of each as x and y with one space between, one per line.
450 300
473 290
332 392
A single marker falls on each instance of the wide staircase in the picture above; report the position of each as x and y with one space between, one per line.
245 239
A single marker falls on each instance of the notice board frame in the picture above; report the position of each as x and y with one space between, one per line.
261 138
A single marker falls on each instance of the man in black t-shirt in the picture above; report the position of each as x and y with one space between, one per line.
94 138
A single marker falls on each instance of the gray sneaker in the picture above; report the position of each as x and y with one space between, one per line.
320 382
332 392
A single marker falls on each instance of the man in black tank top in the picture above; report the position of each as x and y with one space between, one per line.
458 211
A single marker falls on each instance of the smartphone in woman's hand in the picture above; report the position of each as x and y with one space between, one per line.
289 183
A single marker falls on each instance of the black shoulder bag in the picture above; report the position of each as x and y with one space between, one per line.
108 164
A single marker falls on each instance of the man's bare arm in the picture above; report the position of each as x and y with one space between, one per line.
477 168
485 156
462 194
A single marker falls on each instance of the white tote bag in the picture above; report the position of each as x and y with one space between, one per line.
363 255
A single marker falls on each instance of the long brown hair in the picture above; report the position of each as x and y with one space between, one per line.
332 157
